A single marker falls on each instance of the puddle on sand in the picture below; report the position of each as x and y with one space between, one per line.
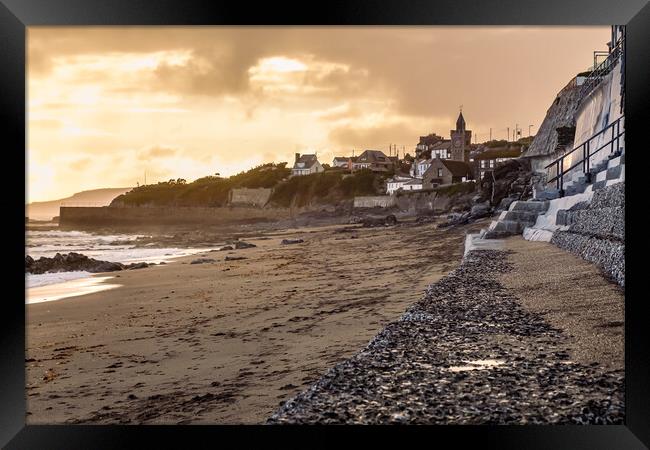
477 364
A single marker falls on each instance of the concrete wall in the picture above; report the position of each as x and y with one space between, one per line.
250 197
377 201
112 216
600 108
425 200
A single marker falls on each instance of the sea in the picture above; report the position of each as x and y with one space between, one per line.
114 247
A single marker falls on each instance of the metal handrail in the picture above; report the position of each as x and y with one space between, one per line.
615 128
602 69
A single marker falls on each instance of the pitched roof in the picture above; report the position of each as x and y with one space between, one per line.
442 145
457 168
373 156
307 162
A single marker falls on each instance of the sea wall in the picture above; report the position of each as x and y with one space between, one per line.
249 197
377 201
596 231
557 131
114 216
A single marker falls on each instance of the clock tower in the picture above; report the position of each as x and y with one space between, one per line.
460 140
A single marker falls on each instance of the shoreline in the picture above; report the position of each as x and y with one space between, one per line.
234 338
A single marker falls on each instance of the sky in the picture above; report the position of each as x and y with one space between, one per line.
108 104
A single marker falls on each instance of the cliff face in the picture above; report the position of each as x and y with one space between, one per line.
558 128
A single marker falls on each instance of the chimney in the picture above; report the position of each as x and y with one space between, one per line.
297 157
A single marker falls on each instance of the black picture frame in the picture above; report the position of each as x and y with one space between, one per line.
16 15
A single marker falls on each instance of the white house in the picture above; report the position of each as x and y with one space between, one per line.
403 183
396 183
419 167
343 161
306 164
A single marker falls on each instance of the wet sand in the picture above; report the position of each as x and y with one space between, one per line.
226 342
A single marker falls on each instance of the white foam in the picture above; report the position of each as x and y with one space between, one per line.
35 280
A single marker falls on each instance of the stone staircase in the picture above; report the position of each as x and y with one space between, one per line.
520 215
607 172
523 215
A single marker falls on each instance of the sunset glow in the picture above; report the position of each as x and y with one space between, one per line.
223 99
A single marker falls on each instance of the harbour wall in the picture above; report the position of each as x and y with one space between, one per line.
113 216
249 197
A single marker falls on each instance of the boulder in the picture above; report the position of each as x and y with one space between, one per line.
28 262
140 265
241 244
291 241
387 221
69 262
480 210
202 261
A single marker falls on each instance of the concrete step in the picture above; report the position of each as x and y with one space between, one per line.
614 162
576 188
529 206
547 194
508 226
519 216
598 185
613 173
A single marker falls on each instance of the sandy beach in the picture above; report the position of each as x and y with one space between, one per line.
226 342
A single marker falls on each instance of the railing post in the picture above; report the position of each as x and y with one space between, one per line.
588 173
562 177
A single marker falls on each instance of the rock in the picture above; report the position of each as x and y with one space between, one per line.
506 202
454 219
370 222
291 241
28 263
234 258
202 261
226 247
140 265
241 245
480 210
69 262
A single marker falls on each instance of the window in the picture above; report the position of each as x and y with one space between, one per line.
439 173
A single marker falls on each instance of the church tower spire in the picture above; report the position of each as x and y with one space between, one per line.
460 122
461 139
